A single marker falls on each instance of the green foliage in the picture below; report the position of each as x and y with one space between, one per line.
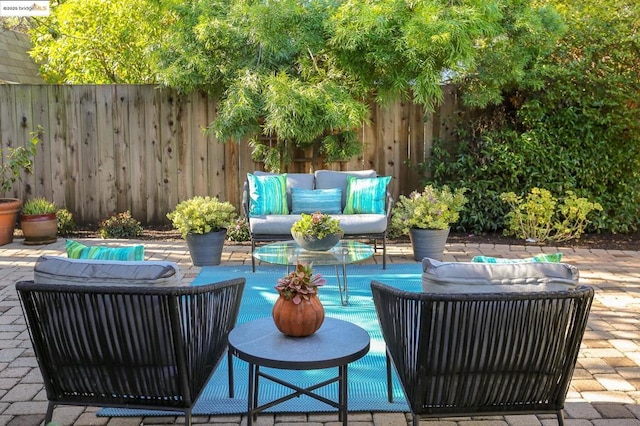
433 208
98 42
303 73
66 224
200 215
120 225
578 132
239 230
17 160
317 225
38 205
541 218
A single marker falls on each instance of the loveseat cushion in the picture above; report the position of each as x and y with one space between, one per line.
335 179
62 270
351 224
469 277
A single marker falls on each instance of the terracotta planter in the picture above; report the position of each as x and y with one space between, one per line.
316 244
39 228
9 208
206 249
299 320
428 243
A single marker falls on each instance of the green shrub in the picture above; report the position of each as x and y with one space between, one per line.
120 225
38 205
66 224
239 230
541 218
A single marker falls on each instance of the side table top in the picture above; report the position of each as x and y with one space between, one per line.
289 253
336 343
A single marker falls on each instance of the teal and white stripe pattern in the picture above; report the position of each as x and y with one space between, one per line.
77 250
366 195
309 201
268 194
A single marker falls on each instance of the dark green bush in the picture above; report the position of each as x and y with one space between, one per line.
579 131
120 225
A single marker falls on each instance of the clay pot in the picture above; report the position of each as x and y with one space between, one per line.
299 320
39 228
9 208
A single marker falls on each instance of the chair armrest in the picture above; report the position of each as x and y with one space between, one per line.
245 199
390 203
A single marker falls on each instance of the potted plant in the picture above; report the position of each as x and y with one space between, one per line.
203 222
427 217
39 222
14 162
317 231
298 311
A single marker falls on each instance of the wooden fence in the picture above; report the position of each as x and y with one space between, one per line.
106 149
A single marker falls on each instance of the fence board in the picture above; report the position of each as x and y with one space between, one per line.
136 147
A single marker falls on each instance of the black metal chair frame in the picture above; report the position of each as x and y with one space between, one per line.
482 354
147 347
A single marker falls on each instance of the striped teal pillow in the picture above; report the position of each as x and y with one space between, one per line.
268 194
76 250
316 200
366 195
551 257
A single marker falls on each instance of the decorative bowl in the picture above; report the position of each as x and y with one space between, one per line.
312 243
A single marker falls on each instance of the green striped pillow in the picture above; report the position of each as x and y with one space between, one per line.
551 257
76 250
268 194
366 195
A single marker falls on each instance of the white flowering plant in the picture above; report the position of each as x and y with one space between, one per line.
201 215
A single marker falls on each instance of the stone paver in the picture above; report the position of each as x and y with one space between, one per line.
605 390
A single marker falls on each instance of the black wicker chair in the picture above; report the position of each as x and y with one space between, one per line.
149 347
481 354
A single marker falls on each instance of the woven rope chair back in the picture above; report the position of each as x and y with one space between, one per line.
490 353
129 346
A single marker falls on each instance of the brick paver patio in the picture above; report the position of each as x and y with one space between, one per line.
605 389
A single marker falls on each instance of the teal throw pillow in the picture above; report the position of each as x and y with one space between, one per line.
552 258
76 250
268 194
366 195
327 201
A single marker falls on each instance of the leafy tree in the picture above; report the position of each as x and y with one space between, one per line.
305 72
575 129
97 41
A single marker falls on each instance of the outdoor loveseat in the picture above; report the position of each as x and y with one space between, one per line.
358 199
126 334
485 345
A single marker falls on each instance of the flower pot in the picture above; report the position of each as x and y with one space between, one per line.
9 208
428 242
312 243
299 320
206 249
39 228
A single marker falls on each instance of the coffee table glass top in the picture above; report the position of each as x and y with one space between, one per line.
289 253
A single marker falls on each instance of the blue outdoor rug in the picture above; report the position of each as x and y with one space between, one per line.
367 376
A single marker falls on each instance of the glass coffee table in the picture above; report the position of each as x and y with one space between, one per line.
289 253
